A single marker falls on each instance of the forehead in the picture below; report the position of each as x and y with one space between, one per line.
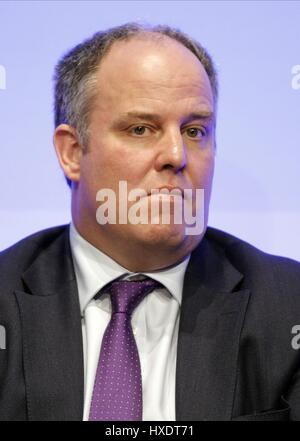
159 69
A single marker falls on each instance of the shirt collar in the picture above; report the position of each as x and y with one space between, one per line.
95 269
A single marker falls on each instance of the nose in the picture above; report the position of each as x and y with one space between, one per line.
172 152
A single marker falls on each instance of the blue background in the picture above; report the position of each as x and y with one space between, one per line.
255 46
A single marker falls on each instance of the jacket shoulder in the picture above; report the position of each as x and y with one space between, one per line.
250 260
22 253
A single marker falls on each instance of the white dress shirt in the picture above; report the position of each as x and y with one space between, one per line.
154 322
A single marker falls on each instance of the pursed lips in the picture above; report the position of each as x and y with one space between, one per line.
168 189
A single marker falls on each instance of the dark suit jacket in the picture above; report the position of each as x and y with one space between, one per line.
235 358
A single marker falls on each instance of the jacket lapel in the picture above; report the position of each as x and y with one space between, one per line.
52 338
210 325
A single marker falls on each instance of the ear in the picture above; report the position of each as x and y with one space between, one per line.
68 150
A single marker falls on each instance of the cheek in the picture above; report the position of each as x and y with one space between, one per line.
119 158
202 170
131 164
107 170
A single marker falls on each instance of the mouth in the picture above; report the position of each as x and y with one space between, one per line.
167 189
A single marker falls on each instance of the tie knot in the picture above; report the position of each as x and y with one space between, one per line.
127 294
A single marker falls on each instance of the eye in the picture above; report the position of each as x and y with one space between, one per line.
195 132
139 130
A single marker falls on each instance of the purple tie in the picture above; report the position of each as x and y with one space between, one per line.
117 394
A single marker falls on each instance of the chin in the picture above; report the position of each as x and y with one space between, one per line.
169 236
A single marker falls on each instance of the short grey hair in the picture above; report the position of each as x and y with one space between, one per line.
75 74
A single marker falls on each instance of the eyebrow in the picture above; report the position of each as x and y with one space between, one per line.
206 115
141 115
201 115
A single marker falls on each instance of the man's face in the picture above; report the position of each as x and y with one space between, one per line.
151 125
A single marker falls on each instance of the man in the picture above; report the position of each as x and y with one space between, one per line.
211 335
